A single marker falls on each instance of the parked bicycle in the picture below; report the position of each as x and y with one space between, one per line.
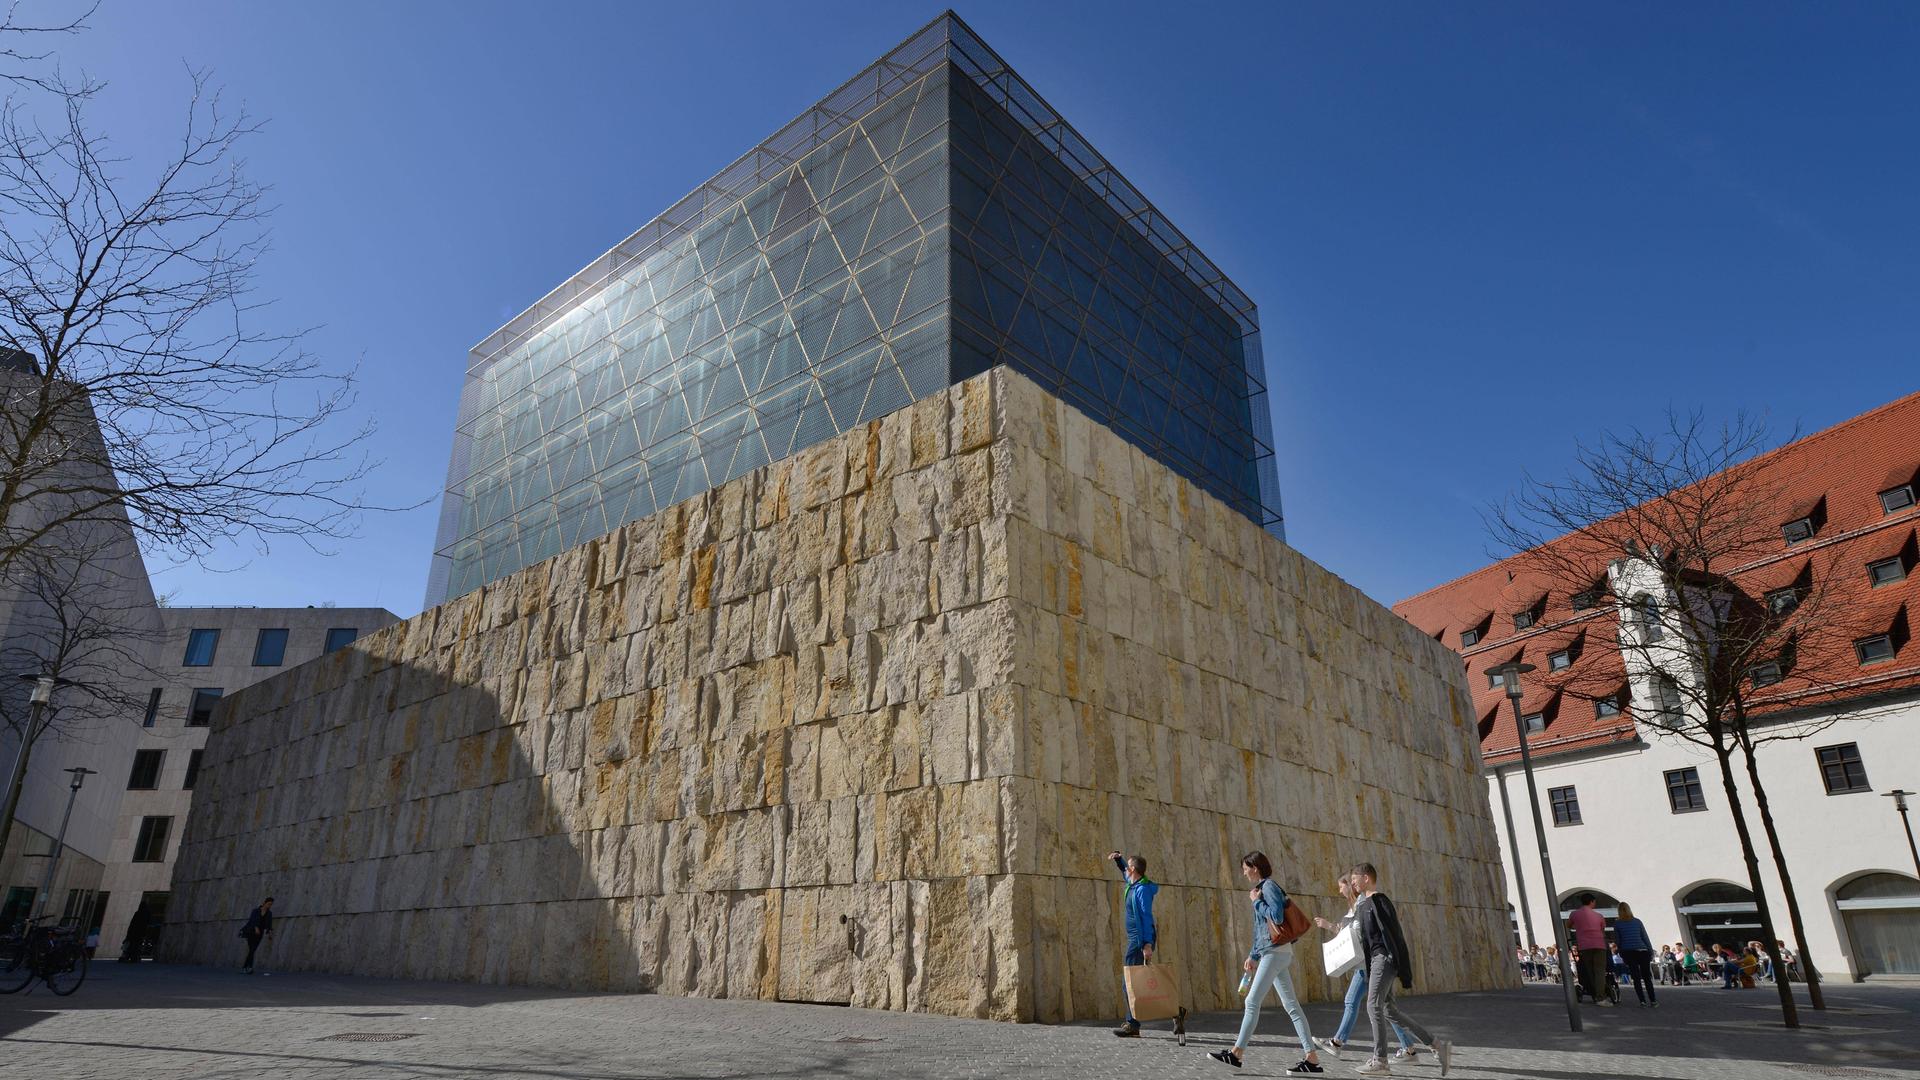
56 954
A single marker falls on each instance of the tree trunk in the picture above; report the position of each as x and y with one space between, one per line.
1814 995
18 782
1789 1012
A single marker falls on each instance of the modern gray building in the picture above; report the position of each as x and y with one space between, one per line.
929 219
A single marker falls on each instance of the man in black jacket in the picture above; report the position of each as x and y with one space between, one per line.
259 927
1388 959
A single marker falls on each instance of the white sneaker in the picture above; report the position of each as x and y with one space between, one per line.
1406 1055
1443 1049
1374 1067
1329 1047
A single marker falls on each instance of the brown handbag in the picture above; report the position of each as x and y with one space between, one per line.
1293 923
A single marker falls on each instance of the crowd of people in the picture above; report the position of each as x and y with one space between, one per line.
1631 958
1384 963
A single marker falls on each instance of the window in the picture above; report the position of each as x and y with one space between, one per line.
1875 649
1535 721
1566 805
1841 769
1886 571
1606 706
1560 661
1766 674
153 708
270 648
201 645
1583 601
1648 611
1467 637
1683 791
1495 680
204 699
1897 499
193 770
1797 530
146 770
1666 702
342 636
151 844
1523 620
1782 601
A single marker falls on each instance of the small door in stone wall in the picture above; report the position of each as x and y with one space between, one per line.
817 938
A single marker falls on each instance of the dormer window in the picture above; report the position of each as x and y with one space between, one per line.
1523 620
1797 530
1560 661
1783 601
1495 680
1606 707
1469 637
1583 600
1805 522
1476 632
1887 571
1766 674
1897 499
1874 650
1535 721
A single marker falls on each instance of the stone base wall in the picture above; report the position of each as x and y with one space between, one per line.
859 727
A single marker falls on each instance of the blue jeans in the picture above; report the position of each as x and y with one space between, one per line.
1276 971
1356 997
1135 957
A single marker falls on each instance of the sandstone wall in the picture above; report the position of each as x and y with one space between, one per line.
858 727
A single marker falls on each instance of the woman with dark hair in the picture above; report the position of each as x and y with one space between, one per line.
1272 967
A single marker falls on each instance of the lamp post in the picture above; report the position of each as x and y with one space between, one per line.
60 842
1899 797
1510 675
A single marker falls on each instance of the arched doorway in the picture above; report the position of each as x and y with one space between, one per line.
1882 913
1720 913
1604 903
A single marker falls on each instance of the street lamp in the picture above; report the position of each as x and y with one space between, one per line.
1899 797
1510 676
59 842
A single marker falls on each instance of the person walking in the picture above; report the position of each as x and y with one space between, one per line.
132 945
1590 938
1388 958
1636 948
1141 934
259 927
1357 986
1272 968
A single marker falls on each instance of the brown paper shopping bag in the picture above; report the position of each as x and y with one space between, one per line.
1153 991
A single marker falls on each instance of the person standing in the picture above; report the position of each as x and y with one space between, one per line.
1357 986
1141 934
1590 937
1636 947
259 927
1388 958
1272 968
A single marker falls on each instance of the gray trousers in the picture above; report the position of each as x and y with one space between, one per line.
1381 978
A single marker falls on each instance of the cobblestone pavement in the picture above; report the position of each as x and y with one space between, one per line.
159 1022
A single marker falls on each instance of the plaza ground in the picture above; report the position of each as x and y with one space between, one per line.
160 1021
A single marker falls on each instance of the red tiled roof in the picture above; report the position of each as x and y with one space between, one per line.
1847 466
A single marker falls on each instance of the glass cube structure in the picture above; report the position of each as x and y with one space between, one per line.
927 220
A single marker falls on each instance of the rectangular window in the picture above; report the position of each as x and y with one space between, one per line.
1523 621
1467 638
1535 721
340 637
1766 674
1897 499
201 646
1875 649
1781 601
1495 680
1683 791
151 844
204 699
1606 706
153 709
1566 805
1841 769
270 648
146 770
1886 571
1585 600
193 770
1560 661
1797 531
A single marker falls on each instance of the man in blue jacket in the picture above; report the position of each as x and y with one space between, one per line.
1141 933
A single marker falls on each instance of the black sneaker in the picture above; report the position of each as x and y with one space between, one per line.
1305 1067
1128 1031
1225 1057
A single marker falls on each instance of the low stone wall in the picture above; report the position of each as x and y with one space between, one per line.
859 727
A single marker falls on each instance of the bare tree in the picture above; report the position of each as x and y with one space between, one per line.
126 294
1681 530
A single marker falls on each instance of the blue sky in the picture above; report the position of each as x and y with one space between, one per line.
1477 233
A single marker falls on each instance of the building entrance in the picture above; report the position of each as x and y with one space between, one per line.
1882 914
1720 913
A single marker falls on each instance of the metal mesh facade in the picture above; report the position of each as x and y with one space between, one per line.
928 219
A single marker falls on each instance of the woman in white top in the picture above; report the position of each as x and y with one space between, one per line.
1357 990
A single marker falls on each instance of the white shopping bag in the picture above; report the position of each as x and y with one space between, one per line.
1340 953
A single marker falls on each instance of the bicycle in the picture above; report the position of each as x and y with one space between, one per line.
53 954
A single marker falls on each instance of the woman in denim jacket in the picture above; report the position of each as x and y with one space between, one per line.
1271 967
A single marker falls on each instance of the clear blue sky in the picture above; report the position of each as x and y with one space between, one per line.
1476 232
